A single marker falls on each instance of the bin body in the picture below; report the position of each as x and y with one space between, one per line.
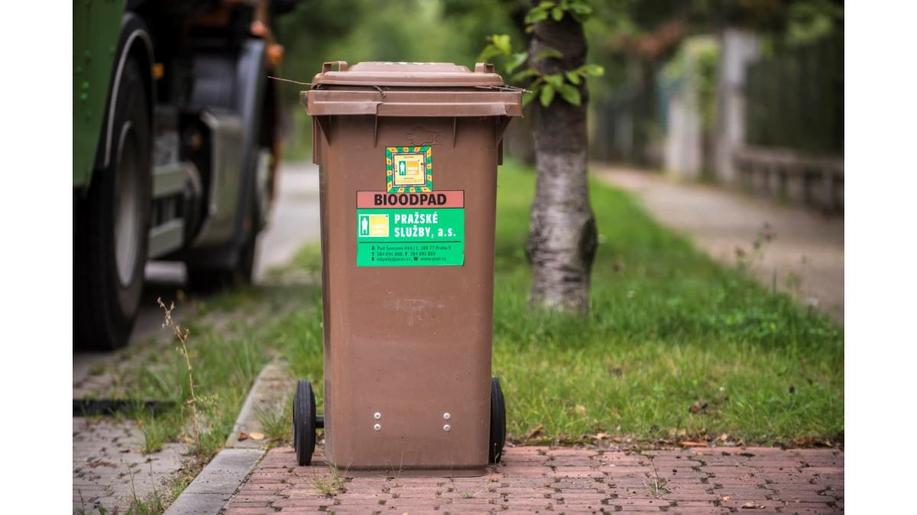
408 194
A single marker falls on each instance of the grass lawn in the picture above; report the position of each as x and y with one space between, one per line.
675 348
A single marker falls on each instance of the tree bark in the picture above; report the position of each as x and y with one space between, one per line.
562 232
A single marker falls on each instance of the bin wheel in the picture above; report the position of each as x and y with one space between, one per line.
304 422
497 421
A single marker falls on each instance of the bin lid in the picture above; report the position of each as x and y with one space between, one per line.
373 73
411 89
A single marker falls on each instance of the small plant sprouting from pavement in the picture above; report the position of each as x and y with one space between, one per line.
182 334
331 485
275 422
153 504
658 485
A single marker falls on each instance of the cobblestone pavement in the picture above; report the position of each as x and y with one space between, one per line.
805 257
566 480
109 470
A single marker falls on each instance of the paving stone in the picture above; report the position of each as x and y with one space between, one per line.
746 480
110 469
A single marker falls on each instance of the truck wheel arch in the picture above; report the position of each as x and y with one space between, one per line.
133 43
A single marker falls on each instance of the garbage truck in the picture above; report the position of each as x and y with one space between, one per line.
175 148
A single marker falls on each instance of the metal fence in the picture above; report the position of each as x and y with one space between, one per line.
795 99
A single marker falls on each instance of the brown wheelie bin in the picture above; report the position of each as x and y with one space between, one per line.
408 154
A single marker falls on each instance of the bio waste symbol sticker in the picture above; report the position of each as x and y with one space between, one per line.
374 226
409 169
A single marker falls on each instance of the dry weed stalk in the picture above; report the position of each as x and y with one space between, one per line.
181 334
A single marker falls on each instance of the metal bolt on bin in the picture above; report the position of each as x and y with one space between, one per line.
408 154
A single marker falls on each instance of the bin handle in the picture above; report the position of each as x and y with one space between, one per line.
341 66
483 68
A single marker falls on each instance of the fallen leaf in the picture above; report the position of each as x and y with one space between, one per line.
725 498
580 409
724 437
691 443
535 431
752 506
601 436
256 436
243 436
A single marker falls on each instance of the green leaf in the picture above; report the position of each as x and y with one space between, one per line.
591 70
524 74
536 15
502 43
547 53
555 79
573 77
527 97
571 94
488 52
547 95
516 61
579 7
557 13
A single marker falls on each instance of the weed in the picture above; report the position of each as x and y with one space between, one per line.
182 334
154 503
330 485
657 485
275 423
158 429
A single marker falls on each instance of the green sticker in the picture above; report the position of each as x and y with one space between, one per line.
409 169
410 237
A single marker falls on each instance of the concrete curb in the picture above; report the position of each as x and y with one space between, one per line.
214 486
220 479
271 389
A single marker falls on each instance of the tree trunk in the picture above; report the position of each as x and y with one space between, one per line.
562 232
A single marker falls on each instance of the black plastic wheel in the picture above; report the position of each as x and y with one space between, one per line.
497 421
304 422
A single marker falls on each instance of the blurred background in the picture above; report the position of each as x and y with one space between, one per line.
744 92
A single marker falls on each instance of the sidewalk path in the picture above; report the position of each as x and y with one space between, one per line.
805 258
566 480
109 468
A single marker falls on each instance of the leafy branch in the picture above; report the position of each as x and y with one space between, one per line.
544 87
579 9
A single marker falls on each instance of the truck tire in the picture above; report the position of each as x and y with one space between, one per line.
212 279
112 225
232 264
